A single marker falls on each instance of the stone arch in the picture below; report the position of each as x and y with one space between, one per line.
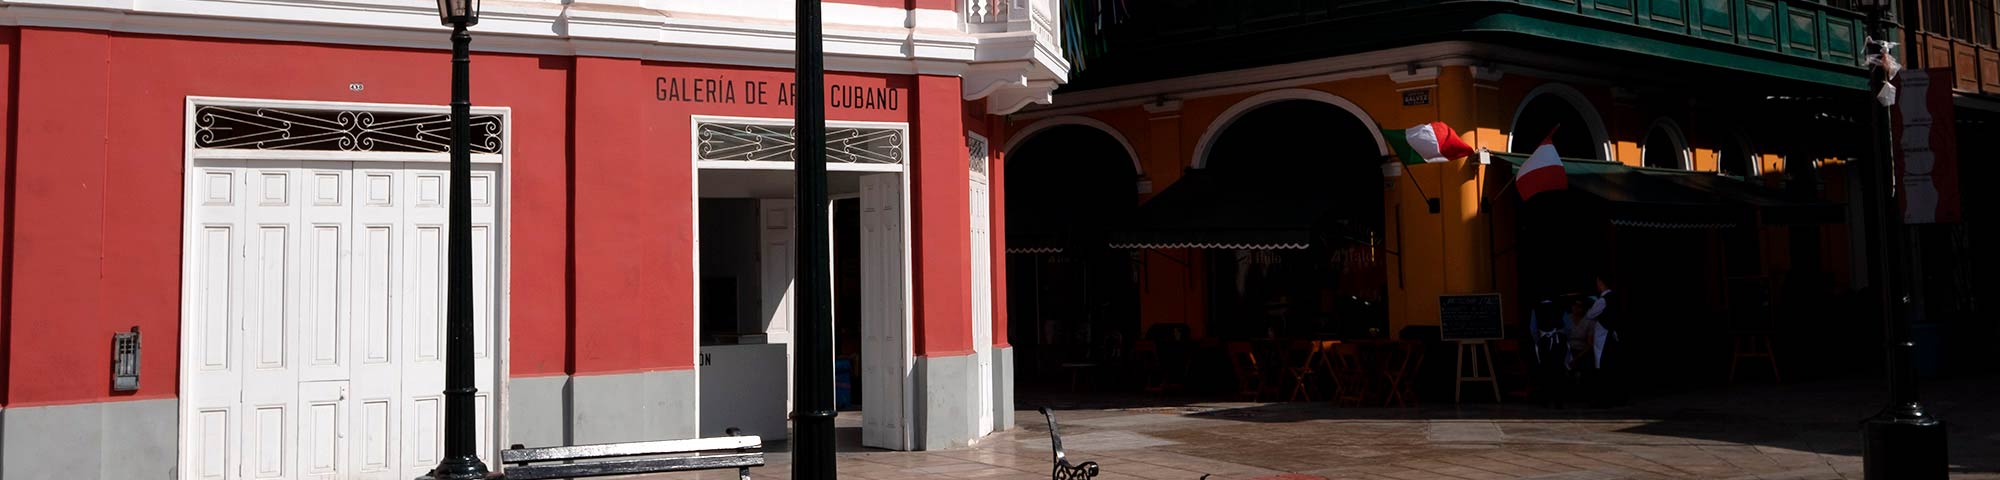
1042 125
1237 111
1600 137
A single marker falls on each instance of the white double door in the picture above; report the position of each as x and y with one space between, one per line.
315 330
888 359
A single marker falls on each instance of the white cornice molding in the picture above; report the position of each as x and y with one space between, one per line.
1415 74
1009 100
534 27
1012 69
982 79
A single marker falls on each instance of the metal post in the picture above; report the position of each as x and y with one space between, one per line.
812 449
1903 440
461 456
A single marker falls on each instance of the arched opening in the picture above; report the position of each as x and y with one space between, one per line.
1734 159
1664 147
1070 297
1311 156
1577 130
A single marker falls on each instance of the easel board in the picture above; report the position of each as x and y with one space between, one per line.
1470 317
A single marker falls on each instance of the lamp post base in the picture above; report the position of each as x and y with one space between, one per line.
462 468
1903 443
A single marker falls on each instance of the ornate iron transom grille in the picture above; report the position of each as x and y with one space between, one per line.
773 143
976 157
258 128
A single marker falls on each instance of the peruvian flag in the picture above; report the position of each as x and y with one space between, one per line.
1543 171
1433 142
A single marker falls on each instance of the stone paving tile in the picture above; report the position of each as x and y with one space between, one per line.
1794 435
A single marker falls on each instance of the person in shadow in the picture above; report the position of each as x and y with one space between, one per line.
1602 361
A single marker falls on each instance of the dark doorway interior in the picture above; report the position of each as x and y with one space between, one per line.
847 285
1071 299
1313 156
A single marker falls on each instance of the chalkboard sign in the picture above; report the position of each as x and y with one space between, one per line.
1469 317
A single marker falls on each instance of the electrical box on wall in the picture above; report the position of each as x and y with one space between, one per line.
125 361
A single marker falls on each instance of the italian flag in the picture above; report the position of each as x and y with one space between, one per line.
1542 172
1434 142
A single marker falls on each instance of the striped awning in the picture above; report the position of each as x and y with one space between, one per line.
1648 198
1207 209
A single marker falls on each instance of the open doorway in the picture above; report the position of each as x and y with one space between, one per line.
746 265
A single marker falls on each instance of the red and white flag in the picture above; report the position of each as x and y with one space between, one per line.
1543 171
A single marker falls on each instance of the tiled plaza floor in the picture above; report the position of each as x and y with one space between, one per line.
1802 431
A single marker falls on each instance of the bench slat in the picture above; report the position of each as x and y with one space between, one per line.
628 467
607 450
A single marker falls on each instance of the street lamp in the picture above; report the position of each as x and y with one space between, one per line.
812 446
461 456
1903 440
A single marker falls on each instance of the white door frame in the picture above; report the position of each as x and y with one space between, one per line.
190 154
903 173
982 282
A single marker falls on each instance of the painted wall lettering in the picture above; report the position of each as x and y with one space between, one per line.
754 92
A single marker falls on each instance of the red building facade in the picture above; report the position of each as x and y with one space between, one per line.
591 268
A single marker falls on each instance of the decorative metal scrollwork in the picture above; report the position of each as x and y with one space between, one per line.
1063 470
256 128
773 143
976 154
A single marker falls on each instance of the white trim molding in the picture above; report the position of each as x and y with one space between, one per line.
1038 126
859 38
1577 101
1229 117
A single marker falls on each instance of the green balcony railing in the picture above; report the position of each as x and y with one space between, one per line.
1803 28
1804 33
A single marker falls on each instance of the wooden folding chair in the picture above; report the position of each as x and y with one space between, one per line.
1299 359
1350 375
1406 359
1249 375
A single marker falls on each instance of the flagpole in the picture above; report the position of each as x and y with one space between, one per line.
1432 203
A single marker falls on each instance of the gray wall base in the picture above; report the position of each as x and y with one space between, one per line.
108 440
946 402
538 411
1003 389
633 407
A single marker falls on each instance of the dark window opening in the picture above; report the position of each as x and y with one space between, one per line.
1549 113
1662 150
1734 159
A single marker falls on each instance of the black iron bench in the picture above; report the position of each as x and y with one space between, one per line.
1063 470
738 452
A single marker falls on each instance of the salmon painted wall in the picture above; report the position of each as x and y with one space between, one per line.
977 121
1167 143
942 231
1450 251
598 244
9 36
663 98
97 203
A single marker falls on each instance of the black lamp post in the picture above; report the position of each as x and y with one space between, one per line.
1903 440
461 456
812 447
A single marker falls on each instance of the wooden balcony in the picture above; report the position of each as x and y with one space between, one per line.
1958 35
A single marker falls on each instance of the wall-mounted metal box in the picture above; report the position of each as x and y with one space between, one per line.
125 361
